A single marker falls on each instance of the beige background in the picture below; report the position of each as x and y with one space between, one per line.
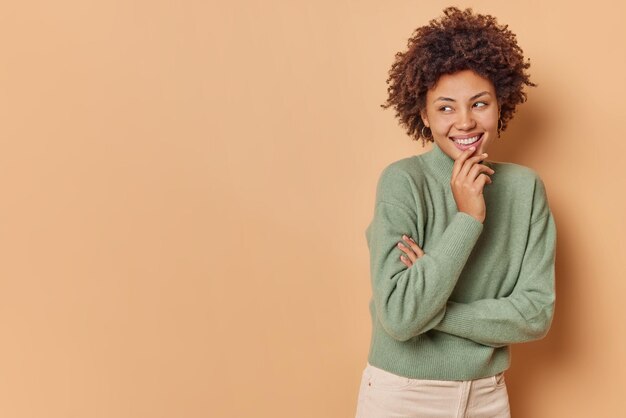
186 186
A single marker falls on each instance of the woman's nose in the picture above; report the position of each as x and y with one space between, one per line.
465 121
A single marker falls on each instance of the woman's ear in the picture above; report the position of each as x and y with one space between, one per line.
424 117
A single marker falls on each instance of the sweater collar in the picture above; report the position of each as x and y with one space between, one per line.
439 163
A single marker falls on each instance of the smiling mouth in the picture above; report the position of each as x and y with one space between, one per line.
467 140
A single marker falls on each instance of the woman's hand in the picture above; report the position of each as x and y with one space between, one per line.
412 251
467 183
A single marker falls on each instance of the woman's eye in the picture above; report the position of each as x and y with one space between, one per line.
445 108
480 104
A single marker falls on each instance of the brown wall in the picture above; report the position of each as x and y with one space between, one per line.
185 190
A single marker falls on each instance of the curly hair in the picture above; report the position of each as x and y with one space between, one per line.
458 41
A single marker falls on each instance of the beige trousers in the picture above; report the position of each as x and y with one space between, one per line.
384 395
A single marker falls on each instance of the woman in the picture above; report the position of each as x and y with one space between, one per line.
462 250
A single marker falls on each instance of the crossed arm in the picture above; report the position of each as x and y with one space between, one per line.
525 315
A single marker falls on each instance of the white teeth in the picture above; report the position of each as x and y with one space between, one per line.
467 141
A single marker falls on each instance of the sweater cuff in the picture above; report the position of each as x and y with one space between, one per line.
455 322
459 238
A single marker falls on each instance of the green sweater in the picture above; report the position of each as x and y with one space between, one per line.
479 286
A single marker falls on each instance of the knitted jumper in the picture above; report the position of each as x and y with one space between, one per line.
479 286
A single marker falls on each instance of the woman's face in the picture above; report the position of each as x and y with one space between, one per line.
461 112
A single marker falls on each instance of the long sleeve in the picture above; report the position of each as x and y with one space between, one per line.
524 315
411 301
